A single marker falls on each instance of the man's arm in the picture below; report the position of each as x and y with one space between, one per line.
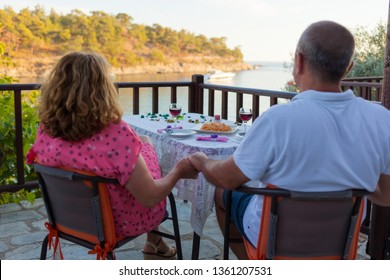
221 173
381 196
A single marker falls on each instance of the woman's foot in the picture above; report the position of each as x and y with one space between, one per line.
158 250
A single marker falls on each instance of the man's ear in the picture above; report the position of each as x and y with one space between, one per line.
299 65
348 69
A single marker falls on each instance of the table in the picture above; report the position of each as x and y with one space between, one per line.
170 150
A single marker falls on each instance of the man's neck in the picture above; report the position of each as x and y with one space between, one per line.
322 88
311 83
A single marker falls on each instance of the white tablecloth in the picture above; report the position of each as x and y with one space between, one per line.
170 150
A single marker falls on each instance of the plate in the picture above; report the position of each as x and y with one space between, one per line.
182 133
198 127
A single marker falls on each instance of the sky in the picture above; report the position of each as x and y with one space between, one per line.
265 30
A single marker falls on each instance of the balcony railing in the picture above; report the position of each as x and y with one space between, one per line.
202 98
369 88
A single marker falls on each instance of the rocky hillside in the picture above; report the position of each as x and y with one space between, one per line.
41 66
34 40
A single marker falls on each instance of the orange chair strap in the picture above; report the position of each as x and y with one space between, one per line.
101 253
53 234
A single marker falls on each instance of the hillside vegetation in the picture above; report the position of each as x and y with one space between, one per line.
34 40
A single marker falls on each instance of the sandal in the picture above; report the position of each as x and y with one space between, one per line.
157 255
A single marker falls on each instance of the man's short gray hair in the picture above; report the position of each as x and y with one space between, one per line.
328 47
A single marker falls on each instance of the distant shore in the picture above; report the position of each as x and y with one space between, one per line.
41 68
182 68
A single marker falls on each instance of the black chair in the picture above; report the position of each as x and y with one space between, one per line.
303 225
79 211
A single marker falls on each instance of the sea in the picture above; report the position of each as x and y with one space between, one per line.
265 75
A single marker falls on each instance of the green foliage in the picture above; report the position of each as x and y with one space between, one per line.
7 133
4 60
157 56
16 197
4 79
291 86
369 55
7 137
113 36
370 52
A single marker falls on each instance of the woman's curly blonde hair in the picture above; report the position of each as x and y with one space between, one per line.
79 99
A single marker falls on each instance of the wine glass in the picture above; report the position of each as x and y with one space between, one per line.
174 110
245 115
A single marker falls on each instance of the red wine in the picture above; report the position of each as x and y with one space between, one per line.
175 111
245 116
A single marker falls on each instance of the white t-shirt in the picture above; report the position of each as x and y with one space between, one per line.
320 141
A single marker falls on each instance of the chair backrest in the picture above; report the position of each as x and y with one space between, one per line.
308 225
77 204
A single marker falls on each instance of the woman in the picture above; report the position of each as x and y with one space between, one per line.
81 128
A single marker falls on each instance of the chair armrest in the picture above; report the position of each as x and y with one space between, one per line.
345 194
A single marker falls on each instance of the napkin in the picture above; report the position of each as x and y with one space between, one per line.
168 128
214 138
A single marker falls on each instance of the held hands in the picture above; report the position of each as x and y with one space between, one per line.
189 167
186 169
197 160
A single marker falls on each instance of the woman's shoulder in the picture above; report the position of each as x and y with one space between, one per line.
120 131
120 127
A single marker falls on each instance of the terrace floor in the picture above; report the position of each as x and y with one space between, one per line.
22 231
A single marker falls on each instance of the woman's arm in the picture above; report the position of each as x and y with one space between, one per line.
221 173
148 191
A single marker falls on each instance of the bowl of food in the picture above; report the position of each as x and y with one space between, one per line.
215 127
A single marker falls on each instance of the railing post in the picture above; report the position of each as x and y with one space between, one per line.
211 102
255 107
173 94
273 101
195 98
19 137
225 102
155 100
135 101
239 104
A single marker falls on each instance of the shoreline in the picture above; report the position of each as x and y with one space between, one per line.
181 68
42 68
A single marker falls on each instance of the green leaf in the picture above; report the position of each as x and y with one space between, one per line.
30 197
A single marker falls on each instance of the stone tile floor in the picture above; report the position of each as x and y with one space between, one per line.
22 231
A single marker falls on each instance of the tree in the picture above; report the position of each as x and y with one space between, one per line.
108 34
138 35
368 58
116 37
4 60
370 52
238 54
125 22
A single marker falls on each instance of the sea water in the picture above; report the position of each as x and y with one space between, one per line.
267 75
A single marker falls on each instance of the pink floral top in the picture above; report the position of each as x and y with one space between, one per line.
111 153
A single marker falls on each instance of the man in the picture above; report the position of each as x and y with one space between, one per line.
323 140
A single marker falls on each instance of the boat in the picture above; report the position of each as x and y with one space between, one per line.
218 74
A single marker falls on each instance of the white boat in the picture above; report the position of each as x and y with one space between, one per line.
217 74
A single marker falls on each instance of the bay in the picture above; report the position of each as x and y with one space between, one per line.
269 76
266 75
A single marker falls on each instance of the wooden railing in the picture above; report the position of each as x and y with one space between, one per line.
202 98
369 88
